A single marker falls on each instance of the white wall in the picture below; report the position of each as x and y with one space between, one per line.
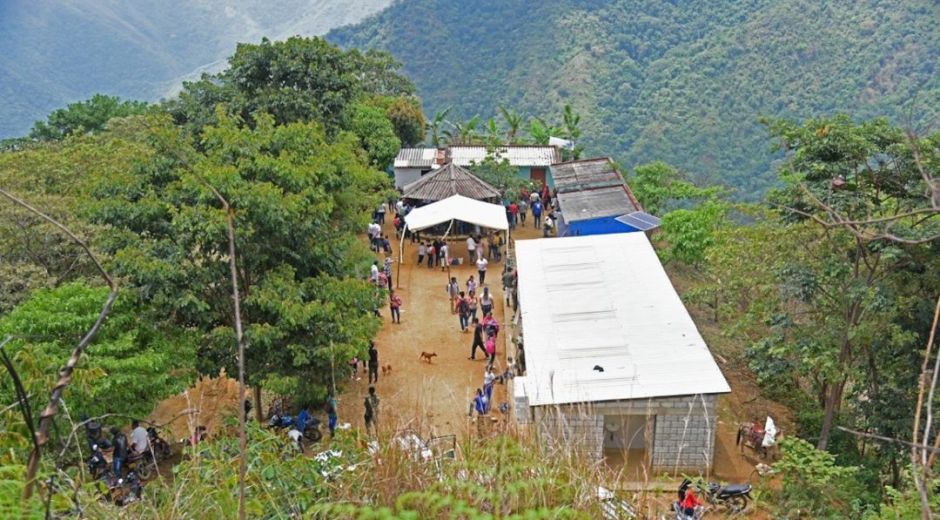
405 176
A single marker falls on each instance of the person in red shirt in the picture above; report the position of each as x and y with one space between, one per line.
513 214
688 502
394 301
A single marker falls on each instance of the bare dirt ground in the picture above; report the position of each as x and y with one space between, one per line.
431 398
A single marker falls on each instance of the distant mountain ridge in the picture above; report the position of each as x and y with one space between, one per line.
684 81
60 51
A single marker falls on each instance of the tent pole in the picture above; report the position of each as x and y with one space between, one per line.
444 239
401 255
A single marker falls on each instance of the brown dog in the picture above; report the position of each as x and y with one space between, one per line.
426 356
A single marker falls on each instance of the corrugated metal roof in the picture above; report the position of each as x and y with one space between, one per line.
449 180
601 202
415 158
585 174
605 300
517 155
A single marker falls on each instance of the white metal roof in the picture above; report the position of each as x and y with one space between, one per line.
415 158
605 300
458 207
517 155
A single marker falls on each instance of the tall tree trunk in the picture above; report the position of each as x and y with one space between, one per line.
832 404
259 415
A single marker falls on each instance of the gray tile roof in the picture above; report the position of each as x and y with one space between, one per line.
596 203
449 180
585 174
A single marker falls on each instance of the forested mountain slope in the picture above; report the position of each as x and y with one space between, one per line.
683 81
57 52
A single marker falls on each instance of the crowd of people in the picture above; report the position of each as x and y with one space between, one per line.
473 301
543 206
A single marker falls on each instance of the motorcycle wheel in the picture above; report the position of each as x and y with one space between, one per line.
145 470
313 434
737 503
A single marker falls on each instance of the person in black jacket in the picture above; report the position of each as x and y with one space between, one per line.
119 441
477 339
373 363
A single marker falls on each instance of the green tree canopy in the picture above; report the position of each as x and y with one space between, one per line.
376 134
133 362
295 80
299 199
85 117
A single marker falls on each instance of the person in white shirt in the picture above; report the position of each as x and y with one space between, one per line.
488 376
297 438
445 256
471 249
481 269
375 272
375 231
140 441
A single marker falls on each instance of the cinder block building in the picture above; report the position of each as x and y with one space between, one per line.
615 366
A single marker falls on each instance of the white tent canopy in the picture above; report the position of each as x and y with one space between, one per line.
458 207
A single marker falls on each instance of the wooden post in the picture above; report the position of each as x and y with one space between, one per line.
444 239
401 254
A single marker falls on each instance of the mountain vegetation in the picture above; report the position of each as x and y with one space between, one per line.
57 53
685 81
825 291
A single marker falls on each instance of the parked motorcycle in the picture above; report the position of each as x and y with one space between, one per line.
732 496
160 447
98 465
311 431
682 514
142 465
122 491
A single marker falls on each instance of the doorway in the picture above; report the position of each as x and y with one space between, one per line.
538 176
627 443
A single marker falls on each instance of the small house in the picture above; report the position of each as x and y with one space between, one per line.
532 162
412 163
594 199
615 366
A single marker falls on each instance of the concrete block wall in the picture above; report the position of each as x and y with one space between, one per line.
571 427
684 438
520 402
683 429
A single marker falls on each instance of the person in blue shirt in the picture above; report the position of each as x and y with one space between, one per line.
536 213
302 419
480 403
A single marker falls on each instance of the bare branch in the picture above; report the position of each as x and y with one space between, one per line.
887 439
81 243
65 373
